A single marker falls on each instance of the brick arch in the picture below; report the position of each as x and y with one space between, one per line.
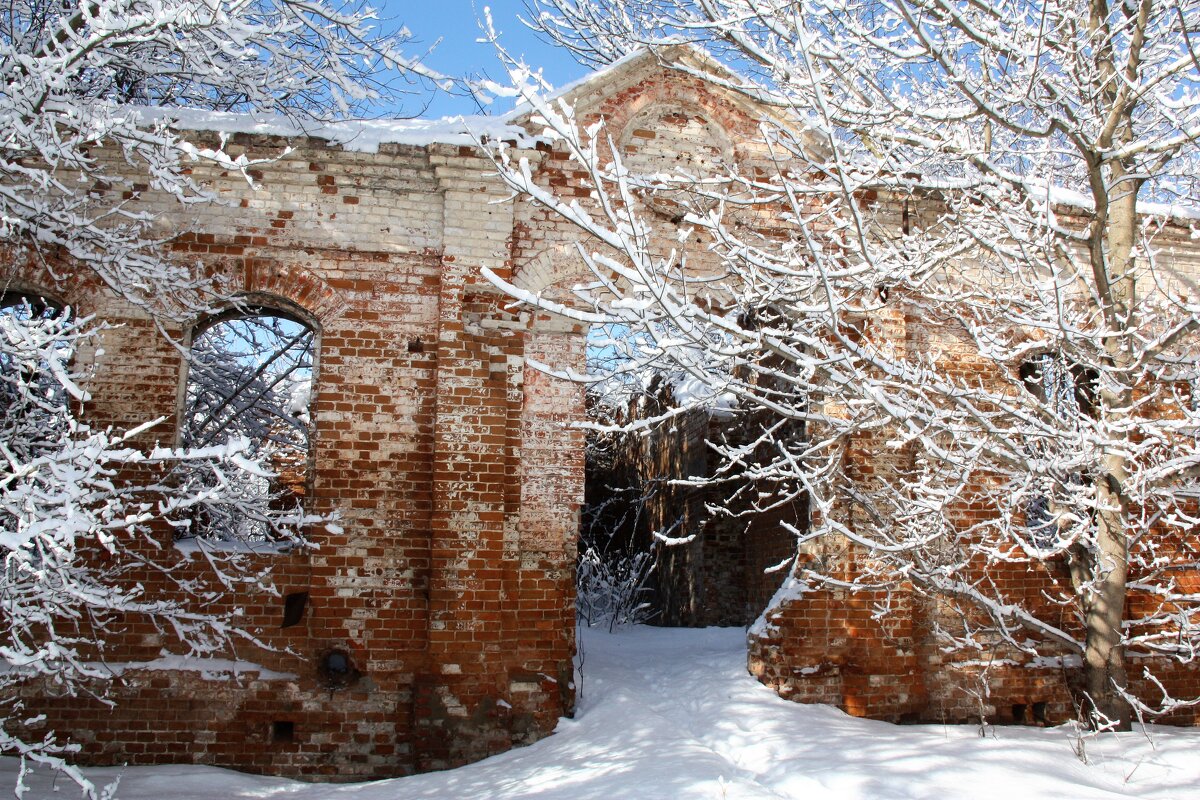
62 283
551 274
683 94
555 267
657 111
35 290
259 303
298 288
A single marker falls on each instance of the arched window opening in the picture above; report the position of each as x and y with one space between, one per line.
250 376
36 341
1068 391
29 306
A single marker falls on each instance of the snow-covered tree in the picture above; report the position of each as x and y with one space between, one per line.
80 74
1013 181
82 509
85 109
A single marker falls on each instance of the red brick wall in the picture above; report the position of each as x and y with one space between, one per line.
829 647
450 464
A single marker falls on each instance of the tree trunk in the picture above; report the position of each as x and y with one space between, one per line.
1104 655
1104 592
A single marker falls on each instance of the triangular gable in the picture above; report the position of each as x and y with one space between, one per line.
615 89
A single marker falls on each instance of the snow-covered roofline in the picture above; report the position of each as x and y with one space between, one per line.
366 136
521 110
1055 195
363 136
689 56
1072 199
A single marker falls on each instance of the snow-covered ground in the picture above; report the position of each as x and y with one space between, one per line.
673 714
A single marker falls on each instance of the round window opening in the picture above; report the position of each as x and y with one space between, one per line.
677 160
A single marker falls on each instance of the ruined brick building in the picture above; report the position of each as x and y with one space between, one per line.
437 625
446 601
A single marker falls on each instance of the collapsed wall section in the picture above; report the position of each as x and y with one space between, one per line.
712 551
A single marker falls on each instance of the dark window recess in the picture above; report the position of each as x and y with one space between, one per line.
1018 712
293 608
1040 521
337 663
336 669
1039 713
283 730
1068 391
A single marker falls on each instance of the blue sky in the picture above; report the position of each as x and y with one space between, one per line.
454 22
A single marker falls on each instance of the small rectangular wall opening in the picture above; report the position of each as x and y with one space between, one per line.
1018 713
293 608
1039 713
283 730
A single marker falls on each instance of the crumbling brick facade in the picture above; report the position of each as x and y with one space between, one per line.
449 583
451 466
833 646
828 647
454 471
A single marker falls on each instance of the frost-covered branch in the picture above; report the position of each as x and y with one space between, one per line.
948 277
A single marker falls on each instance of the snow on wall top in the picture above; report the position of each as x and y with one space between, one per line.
366 136
363 136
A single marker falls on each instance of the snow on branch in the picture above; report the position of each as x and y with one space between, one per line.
951 284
